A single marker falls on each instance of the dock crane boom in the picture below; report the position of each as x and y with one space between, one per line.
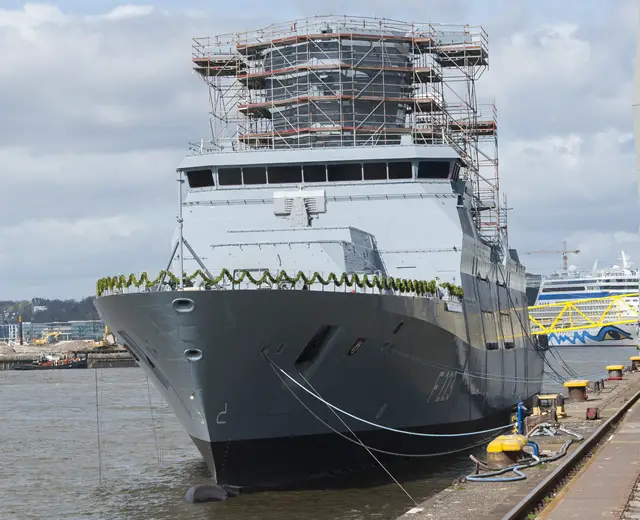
564 252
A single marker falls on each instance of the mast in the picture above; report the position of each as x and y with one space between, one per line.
636 121
636 97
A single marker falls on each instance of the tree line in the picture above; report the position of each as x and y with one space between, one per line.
42 310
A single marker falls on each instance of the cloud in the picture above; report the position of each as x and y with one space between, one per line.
123 12
32 17
98 109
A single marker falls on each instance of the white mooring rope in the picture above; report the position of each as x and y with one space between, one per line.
417 434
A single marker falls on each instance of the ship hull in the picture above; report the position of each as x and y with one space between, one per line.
234 364
283 461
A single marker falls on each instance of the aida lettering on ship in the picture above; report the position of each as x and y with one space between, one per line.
606 297
340 225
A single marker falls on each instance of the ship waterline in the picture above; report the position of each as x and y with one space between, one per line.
405 363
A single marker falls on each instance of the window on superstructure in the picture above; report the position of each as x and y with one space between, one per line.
344 172
200 178
375 171
400 170
254 175
433 169
229 176
567 282
455 171
562 289
315 173
284 174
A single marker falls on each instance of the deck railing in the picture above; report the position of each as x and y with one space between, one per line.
265 280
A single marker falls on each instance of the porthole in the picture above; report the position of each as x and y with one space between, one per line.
193 354
183 305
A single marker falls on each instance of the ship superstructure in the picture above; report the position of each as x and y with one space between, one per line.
348 251
590 308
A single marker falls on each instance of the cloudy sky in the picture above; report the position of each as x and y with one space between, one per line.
98 103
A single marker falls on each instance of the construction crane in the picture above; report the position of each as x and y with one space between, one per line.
564 252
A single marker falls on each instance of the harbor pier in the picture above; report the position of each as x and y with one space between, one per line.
597 478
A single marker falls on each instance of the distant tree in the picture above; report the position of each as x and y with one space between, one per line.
54 310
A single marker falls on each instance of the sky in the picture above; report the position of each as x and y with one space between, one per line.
98 104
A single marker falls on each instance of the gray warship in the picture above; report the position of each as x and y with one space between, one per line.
340 273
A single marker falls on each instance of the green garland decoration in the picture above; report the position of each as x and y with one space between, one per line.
420 287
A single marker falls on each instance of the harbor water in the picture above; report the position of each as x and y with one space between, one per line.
100 444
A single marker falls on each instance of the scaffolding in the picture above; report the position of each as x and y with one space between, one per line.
338 81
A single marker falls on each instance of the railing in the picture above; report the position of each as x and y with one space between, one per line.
265 280
582 314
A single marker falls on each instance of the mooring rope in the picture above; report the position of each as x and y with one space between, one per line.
377 450
98 429
405 432
415 503
153 423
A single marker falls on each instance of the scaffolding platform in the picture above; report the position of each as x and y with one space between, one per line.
219 65
465 55
488 128
255 48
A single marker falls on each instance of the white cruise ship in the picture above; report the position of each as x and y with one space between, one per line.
589 308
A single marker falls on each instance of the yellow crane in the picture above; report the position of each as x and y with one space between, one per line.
564 252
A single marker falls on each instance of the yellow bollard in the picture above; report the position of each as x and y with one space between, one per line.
635 363
536 405
615 372
505 450
560 413
577 389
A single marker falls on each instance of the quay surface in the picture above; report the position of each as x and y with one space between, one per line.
603 488
610 474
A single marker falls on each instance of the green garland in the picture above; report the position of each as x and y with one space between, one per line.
397 284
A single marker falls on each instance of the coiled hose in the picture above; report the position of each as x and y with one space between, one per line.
494 476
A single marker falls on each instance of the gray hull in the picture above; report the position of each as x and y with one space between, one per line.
418 369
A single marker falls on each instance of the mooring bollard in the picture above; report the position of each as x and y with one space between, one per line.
560 413
505 450
593 414
577 389
536 405
615 372
635 363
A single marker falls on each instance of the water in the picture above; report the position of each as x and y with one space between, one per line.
50 465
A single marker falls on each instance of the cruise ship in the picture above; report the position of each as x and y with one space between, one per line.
339 283
576 300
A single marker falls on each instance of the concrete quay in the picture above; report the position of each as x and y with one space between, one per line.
610 473
603 488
